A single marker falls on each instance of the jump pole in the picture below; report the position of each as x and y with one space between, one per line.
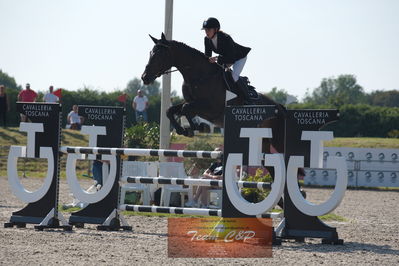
191 182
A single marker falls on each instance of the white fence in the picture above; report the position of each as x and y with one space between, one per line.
366 167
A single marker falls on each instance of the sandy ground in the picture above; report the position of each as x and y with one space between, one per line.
371 237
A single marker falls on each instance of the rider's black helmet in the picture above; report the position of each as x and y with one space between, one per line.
211 23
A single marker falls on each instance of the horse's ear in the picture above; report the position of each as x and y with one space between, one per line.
154 39
163 41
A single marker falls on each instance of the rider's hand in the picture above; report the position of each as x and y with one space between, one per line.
213 59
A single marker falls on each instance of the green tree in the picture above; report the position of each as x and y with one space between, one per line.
136 84
337 91
142 135
12 90
8 81
277 95
384 98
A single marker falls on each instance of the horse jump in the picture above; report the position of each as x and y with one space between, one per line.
168 181
242 144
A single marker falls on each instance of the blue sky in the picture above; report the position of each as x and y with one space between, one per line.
104 44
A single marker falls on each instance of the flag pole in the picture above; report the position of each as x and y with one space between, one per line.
164 140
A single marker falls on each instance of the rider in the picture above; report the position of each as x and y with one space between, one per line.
230 52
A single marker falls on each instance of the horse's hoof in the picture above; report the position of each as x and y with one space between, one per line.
190 133
180 131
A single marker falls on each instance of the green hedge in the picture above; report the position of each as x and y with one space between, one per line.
361 120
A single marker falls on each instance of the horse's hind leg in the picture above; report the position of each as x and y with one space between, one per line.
170 113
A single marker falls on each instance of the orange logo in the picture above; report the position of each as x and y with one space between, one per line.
219 237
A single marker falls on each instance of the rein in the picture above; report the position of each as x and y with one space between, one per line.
168 71
174 70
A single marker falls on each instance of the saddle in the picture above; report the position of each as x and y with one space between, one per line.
242 87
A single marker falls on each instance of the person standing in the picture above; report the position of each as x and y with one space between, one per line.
140 105
73 118
4 105
50 97
28 96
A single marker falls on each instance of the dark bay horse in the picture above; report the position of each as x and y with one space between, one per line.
204 88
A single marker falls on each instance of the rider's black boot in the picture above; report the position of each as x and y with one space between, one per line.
242 90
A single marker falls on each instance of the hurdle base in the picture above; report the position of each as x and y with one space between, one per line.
113 223
327 241
115 227
54 224
54 220
50 221
16 224
330 238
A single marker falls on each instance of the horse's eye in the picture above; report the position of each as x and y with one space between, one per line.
151 53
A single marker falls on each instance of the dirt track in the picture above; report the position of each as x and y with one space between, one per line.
371 236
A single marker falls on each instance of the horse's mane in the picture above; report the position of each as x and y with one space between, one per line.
191 49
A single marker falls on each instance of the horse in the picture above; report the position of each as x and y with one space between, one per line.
204 88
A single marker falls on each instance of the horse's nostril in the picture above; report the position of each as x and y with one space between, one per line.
145 78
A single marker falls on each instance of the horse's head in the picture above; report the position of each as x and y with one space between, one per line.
160 60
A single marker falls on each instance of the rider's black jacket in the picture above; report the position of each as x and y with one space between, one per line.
228 50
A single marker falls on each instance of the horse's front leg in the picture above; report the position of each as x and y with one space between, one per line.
170 113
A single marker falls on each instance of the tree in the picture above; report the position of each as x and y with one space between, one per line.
337 91
384 98
12 90
8 81
277 95
135 84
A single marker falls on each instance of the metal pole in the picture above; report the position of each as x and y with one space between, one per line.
166 85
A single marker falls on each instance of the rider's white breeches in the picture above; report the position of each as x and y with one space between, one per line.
238 67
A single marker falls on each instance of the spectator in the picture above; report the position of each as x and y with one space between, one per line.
50 97
215 171
28 96
73 119
97 171
4 105
140 105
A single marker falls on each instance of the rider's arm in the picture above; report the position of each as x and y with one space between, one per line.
208 48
